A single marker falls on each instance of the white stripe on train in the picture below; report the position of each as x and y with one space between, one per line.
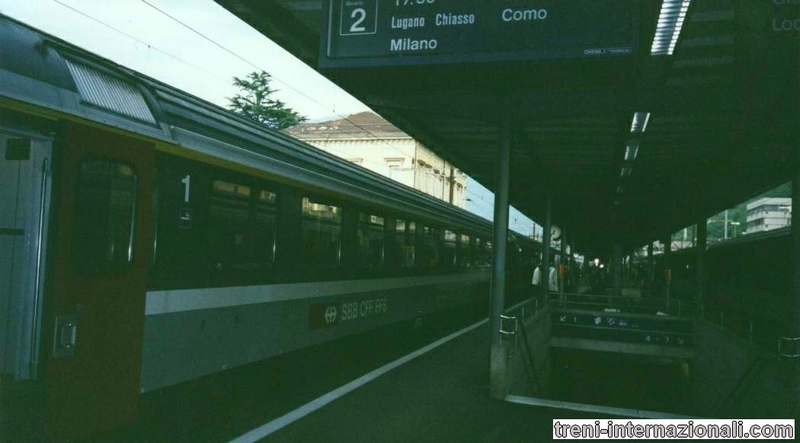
181 300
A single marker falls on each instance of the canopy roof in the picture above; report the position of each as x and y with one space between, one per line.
723 115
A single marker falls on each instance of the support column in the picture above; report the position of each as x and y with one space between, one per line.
562 276
545 286
700 279
650 266
791 344
497 363
667 267
617 269
572 274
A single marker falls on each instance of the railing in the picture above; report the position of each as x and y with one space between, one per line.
623 304
766 333
634 320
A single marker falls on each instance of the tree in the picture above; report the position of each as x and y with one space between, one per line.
254 102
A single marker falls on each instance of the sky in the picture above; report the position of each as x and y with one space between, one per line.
154 37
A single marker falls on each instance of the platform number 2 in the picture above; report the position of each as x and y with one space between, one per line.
187 183
357 25
356 17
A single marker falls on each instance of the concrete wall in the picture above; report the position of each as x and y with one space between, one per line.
537 326
732 378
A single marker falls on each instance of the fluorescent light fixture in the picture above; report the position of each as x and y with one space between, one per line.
631 151
626 171
668 28
640 121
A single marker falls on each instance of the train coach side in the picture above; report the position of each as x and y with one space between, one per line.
158 238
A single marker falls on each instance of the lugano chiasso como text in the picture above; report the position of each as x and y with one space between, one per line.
507 15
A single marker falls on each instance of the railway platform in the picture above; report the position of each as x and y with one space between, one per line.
439 395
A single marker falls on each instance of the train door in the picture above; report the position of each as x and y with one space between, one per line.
103 227
25 178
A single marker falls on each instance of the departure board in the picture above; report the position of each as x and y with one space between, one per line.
391 32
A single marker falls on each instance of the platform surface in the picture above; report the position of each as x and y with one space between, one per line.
442 395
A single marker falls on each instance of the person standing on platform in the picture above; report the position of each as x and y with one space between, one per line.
536 281
553 279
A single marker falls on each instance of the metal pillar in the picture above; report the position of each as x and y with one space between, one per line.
725 228
617 269
548 224
572 275
791 343
497 363
562 279
789 346
650 267
700 279
667 269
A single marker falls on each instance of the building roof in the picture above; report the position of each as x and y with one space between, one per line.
770 201
363 125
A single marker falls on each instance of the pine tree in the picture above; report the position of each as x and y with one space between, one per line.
254 102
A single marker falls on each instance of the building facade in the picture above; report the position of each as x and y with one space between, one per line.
766 214
368 140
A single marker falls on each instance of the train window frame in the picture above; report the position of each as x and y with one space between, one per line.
304 220
424 233
449 249
407 242
222 201
366 223
465 250
85 259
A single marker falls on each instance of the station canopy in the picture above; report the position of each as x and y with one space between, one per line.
638 117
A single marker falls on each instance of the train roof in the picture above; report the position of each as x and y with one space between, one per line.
65 80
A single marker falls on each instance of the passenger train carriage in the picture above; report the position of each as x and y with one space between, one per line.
148 238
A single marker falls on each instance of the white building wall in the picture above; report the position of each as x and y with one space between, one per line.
390 157
767 214
402 159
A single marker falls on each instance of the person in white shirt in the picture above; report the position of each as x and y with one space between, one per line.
537 275
553 279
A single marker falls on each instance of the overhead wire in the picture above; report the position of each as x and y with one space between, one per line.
140 41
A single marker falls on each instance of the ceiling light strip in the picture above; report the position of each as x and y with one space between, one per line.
640 121
669 25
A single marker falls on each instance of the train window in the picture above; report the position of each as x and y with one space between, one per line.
448 253
230 233
104 216
482 254
429 255
322 226
370 240
465 251
406 242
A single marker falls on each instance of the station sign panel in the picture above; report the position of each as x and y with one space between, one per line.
398 32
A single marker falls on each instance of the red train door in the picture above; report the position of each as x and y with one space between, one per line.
103 234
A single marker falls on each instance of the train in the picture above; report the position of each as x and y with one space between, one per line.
749 277
150 238
748 282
